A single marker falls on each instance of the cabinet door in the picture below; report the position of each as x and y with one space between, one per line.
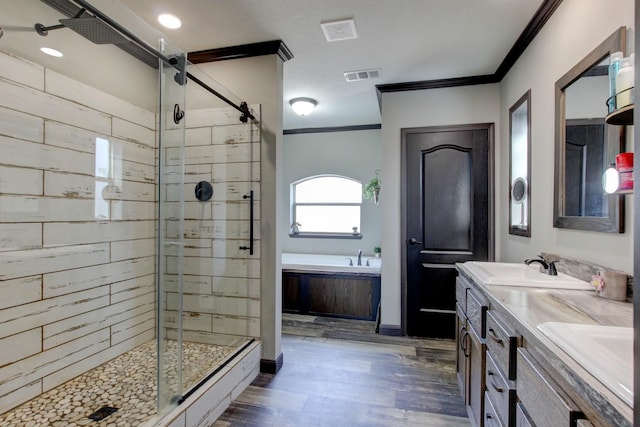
475 377
522 419
461 352
545 403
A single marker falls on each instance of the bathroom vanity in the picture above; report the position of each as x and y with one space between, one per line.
543 351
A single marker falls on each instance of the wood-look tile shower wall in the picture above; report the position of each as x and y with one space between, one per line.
77 228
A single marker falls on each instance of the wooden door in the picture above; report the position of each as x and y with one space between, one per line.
446 219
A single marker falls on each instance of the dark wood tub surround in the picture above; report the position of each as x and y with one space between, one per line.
347 295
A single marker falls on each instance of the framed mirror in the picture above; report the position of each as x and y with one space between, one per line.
585 145
520 166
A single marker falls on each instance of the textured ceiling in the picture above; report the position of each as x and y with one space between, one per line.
409 40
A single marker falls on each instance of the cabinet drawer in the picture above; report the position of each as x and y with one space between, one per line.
502 345
502 395
477 312
461 294
522 419
543 400
491 418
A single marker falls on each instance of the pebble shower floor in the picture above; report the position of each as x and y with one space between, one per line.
128 382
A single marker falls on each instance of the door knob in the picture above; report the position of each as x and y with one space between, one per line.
413 241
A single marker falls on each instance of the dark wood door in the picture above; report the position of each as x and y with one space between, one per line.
446 219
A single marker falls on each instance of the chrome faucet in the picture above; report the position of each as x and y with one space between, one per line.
359 256
546 267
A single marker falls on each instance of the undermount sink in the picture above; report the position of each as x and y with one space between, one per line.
515 274
605 351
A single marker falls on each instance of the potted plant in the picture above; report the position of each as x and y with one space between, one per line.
377 251
371 190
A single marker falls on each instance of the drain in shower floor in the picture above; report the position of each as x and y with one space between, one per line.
102 413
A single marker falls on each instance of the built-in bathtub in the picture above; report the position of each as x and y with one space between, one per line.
328 285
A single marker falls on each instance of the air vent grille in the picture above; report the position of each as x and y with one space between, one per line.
355 76
339 30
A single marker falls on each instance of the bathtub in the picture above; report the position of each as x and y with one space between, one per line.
330 263
326 285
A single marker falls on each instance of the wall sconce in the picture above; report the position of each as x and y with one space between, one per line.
303 106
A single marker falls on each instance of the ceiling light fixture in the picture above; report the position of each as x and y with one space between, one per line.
303 106
169 21
51 52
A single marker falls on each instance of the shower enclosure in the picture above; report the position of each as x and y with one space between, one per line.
129 196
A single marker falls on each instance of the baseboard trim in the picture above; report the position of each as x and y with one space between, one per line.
268 366
391 330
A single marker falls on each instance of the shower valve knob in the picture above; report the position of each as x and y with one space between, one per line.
204 191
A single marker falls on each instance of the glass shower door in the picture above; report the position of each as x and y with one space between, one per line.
171 138
208 231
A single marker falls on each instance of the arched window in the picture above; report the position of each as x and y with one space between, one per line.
326 204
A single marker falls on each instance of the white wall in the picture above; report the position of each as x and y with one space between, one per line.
572 32
356 154
451 106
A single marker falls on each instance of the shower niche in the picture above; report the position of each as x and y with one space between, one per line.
124 290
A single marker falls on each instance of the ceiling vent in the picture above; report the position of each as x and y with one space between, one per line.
339 30
355 76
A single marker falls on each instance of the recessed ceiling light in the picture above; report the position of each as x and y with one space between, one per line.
51 52
169 21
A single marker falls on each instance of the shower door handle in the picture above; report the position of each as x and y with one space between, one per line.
250 247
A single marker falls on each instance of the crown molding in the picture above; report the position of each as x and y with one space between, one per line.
273 47
437 84
332 129
534 26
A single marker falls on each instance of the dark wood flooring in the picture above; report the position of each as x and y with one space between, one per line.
339 372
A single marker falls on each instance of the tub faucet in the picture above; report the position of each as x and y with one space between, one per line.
546 267
359 256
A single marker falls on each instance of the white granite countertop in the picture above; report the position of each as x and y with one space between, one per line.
526 308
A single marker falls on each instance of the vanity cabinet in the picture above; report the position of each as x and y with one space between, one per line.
471 350
507 373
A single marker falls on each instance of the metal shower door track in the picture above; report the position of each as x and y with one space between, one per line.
63 6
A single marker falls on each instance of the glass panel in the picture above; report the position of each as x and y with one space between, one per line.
171 137
328 219
328 189
221 303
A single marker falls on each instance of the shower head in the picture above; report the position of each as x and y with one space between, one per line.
94 29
